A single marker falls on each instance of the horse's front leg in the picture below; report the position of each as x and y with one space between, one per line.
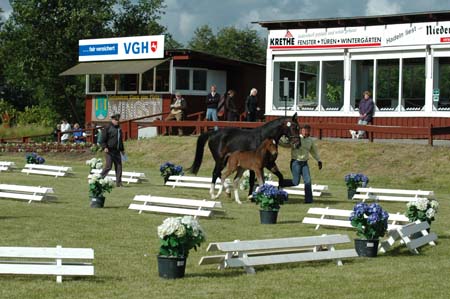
251 183
274 169
216 174
236 180
260 176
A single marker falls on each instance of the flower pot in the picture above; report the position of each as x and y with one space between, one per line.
170 267
350 193
367 248
97 202
268 217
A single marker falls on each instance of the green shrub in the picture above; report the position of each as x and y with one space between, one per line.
39 115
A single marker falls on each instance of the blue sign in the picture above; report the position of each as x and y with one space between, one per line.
102 49
122 48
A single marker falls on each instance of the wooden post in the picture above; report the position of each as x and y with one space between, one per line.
430 135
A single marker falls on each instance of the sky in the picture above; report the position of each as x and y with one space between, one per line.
182 17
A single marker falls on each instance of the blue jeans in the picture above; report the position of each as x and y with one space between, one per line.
301 169
361 133
211 114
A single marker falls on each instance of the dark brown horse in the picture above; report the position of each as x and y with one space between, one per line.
252 160
228 140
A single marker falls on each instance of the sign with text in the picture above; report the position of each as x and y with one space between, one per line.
358 37
123 48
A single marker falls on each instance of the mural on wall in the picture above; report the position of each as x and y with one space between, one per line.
129 107
101 107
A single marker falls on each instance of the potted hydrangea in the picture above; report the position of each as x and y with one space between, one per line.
95 163
269 198
167 169
34 158
422 209
353 181
97 187
371 223
177 235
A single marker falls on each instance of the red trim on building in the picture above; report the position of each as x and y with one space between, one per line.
325 46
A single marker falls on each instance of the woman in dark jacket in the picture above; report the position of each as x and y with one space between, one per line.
251 105
230 107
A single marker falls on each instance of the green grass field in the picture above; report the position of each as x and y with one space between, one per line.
126 243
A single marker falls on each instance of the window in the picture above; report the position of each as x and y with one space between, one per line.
413 84
128 82
387 84
283 70
109 83
442 83
199 78
182 79
162 77
147 83
95 83
362 80
308 72
333 85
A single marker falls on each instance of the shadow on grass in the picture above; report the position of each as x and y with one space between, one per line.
289 222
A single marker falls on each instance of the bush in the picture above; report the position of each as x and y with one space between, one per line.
39 115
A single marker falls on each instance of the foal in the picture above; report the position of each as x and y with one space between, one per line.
255 160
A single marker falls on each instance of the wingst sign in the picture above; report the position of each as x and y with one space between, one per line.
124 48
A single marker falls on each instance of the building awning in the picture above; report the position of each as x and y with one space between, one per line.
113 67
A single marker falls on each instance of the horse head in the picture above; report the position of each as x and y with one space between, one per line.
291 129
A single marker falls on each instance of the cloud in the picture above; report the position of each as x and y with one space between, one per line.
382 7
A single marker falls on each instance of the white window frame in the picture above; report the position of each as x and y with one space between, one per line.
191 90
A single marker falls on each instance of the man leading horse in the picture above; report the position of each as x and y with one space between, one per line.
228 140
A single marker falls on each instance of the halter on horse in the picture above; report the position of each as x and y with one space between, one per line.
252 160
228 140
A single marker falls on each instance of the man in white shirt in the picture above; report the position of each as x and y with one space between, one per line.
65 126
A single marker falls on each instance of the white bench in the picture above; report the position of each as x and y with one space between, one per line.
29 193
191 182
46 261
340 218
404 235
391 194
170 205
51 170
317 190
6 166
248 254
205 183
127 176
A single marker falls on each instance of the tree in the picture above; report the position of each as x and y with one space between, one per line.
230 42
204 40
40 40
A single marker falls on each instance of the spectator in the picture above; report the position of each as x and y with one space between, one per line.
366 111
177 109
230 106
56 131
299 162
65 127
212 102
251 105
78 135
112 145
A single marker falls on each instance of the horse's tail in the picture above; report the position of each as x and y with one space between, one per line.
201 141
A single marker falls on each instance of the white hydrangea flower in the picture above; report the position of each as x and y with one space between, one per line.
430 213
91 181
169 226
434 204
410 204
181 231
422 204
99 165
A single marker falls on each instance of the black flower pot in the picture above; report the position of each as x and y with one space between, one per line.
170 267
268 217
350 193
97 202
366 248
